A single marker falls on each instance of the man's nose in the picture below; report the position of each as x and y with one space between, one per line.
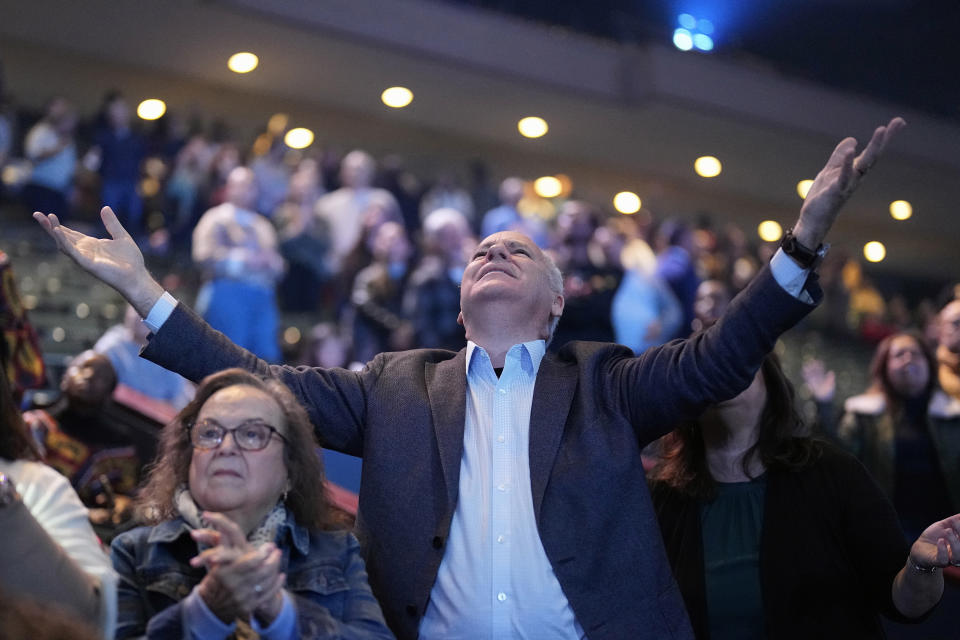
497 250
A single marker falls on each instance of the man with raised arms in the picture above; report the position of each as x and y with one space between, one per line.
502 492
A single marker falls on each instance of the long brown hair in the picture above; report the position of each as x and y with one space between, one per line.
15 442
307 498
880 380
782 443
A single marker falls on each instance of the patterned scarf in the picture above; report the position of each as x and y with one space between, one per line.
267 531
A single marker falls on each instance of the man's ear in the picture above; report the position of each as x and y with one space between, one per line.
460 318
556 309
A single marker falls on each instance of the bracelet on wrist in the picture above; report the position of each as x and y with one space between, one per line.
921 569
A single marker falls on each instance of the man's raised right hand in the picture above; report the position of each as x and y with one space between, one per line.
116 261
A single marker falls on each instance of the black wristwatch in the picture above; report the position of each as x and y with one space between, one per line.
8 491
804 256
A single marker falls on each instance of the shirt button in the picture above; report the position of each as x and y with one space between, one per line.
501 596
501 538
502 487
501 439
503 391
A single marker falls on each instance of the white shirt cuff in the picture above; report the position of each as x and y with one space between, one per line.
790 275
282 626
160 311
201 623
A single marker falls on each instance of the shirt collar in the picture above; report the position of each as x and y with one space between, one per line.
528 355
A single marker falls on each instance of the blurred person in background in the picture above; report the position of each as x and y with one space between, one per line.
343 210
771 534
676 267
121 343
118 154
507 217
710 303
241 539
50 553
446 193
948 349
590 277
304 240
236 248
377 297
7 122
83 435
405 187
51 150
906 431
432 299
20 354
644 312
272 176
191 166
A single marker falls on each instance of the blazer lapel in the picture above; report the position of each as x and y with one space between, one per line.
552 396
447 393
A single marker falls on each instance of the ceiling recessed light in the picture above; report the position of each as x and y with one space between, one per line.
151 109
243 62
299 138
548 187
707 167
532 127
397 97
627 202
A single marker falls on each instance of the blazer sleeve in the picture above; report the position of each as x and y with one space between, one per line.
334 398
677 381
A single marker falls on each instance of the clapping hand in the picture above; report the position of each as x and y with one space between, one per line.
241 580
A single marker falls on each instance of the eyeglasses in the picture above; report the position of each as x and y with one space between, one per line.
250 435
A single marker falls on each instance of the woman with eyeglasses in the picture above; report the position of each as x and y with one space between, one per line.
242 542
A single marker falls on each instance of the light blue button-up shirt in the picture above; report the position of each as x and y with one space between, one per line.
495 580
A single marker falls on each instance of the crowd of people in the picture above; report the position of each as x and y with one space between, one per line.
267 227
504 487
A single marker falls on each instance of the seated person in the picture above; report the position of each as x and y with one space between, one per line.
771 534
241 534
122 343
49 554
82 435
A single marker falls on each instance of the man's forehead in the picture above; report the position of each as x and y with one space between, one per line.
509 238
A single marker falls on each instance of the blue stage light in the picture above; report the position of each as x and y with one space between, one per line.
682 40
693 33
703 42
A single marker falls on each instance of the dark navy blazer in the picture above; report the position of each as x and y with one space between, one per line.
594 408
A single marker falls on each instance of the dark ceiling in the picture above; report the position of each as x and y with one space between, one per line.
900 51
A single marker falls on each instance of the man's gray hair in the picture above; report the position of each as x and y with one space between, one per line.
555 278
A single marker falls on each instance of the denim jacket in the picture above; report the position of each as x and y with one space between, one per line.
326 579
